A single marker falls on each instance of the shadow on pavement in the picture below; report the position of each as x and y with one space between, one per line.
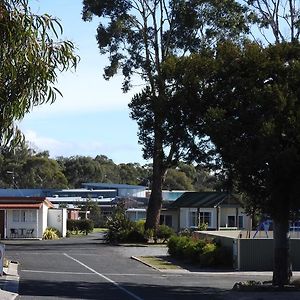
108 291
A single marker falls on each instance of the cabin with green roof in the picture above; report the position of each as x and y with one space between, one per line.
218 210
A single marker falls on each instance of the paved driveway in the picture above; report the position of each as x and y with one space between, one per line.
85 268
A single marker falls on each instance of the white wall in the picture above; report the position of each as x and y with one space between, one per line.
42 220
174 215
226 211
184 218
57 218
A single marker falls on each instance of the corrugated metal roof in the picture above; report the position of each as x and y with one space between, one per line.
20 206
205 200
113 186
21 201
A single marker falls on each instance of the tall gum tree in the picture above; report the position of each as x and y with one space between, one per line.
259 116
139 36
247 101
278 22
31 55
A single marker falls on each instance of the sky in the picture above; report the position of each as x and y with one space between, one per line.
92 118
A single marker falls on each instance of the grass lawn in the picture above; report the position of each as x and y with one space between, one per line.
101 230
158 263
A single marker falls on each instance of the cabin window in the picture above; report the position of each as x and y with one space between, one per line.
166 220
231 221
241 222
205 218
193 219
24 216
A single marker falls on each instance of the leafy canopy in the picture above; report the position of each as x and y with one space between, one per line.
31 55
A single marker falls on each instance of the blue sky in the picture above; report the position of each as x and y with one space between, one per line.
92 117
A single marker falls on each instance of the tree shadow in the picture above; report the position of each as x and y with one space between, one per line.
192 267
108 291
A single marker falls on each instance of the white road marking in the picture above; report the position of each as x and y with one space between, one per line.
104 277
54 272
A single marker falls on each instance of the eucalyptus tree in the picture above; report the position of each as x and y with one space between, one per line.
259 116
277 21
247 98
138 36
31 55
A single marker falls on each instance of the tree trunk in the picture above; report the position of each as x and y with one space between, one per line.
155 201
281 270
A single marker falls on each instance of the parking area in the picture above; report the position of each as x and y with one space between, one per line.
88 269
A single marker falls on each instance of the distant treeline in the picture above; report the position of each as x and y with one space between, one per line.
24 167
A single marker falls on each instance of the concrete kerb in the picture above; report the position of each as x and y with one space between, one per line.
145 263
211 273
9 282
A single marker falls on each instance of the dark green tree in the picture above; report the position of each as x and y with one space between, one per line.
81 169
247 102
138 37
31 55
23 168
95 212
252 97
110 171
133 173
177 180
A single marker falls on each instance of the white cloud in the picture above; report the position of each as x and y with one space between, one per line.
120 153
45 143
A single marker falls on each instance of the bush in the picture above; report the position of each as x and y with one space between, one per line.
176 246
85 225
208 256
163 233
199 252
72 225
51 234
118 227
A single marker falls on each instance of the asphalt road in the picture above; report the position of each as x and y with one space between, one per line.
85 268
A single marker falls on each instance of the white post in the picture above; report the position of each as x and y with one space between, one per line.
37 223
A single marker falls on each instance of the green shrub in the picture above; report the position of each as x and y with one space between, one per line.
164 232
136 236
176 246
51 234
118 226
73 225
149 234
84 225
185 232
208 256
203 227
199 252
193 249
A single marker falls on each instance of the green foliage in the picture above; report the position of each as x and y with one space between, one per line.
25 168
177 180
84 225
121 229
163 232
118 226
95 212
79 169
200 252
203 226
51 234
154 31
31 56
